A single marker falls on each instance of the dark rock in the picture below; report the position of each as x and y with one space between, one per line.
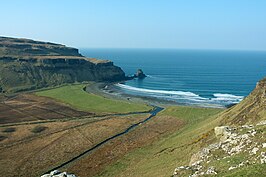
2 138
230 105
140 74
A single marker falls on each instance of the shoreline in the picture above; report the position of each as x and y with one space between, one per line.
108 90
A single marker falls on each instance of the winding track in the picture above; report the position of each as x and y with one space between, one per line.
153 113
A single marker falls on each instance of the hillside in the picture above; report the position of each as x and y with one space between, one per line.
228 142
26 64
249 111
237 146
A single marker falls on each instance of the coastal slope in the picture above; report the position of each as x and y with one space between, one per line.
229 142
249 111
27 64
237 144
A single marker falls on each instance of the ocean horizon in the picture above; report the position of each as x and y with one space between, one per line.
213 78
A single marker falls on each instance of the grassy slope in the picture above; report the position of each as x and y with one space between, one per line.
161 158
79 99
249 111
257 170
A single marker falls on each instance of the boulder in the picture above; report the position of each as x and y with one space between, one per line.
221 131
55 172
263 158
263 145
211 170
46 175
254 150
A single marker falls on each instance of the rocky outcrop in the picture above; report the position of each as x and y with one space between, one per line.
57 173
27 64
222 131
140 74
245 143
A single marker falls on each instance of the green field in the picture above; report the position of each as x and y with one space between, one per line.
161 157
75 96
190 114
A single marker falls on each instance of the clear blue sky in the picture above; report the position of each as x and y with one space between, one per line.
189 24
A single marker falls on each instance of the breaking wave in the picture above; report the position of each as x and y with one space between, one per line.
227 97
181 93
217 99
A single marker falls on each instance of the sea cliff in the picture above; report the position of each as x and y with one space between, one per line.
26 64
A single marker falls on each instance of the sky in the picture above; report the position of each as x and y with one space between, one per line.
183 24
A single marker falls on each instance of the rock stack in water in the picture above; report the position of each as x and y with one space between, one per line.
140 74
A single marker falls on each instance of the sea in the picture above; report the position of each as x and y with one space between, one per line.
211 78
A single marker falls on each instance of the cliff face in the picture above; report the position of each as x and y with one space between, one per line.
27 47
27 64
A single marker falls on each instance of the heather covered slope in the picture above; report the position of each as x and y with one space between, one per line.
27 64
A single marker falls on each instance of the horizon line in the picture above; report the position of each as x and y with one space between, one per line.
143 48
173 48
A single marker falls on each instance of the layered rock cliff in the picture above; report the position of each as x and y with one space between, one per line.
26 64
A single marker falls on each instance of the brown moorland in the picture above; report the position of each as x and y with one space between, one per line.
29 107
24 153
146 134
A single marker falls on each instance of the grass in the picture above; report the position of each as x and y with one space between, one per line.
161 157
75 96
258 170
190 114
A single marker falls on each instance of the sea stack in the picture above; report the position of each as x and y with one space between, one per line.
140 74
